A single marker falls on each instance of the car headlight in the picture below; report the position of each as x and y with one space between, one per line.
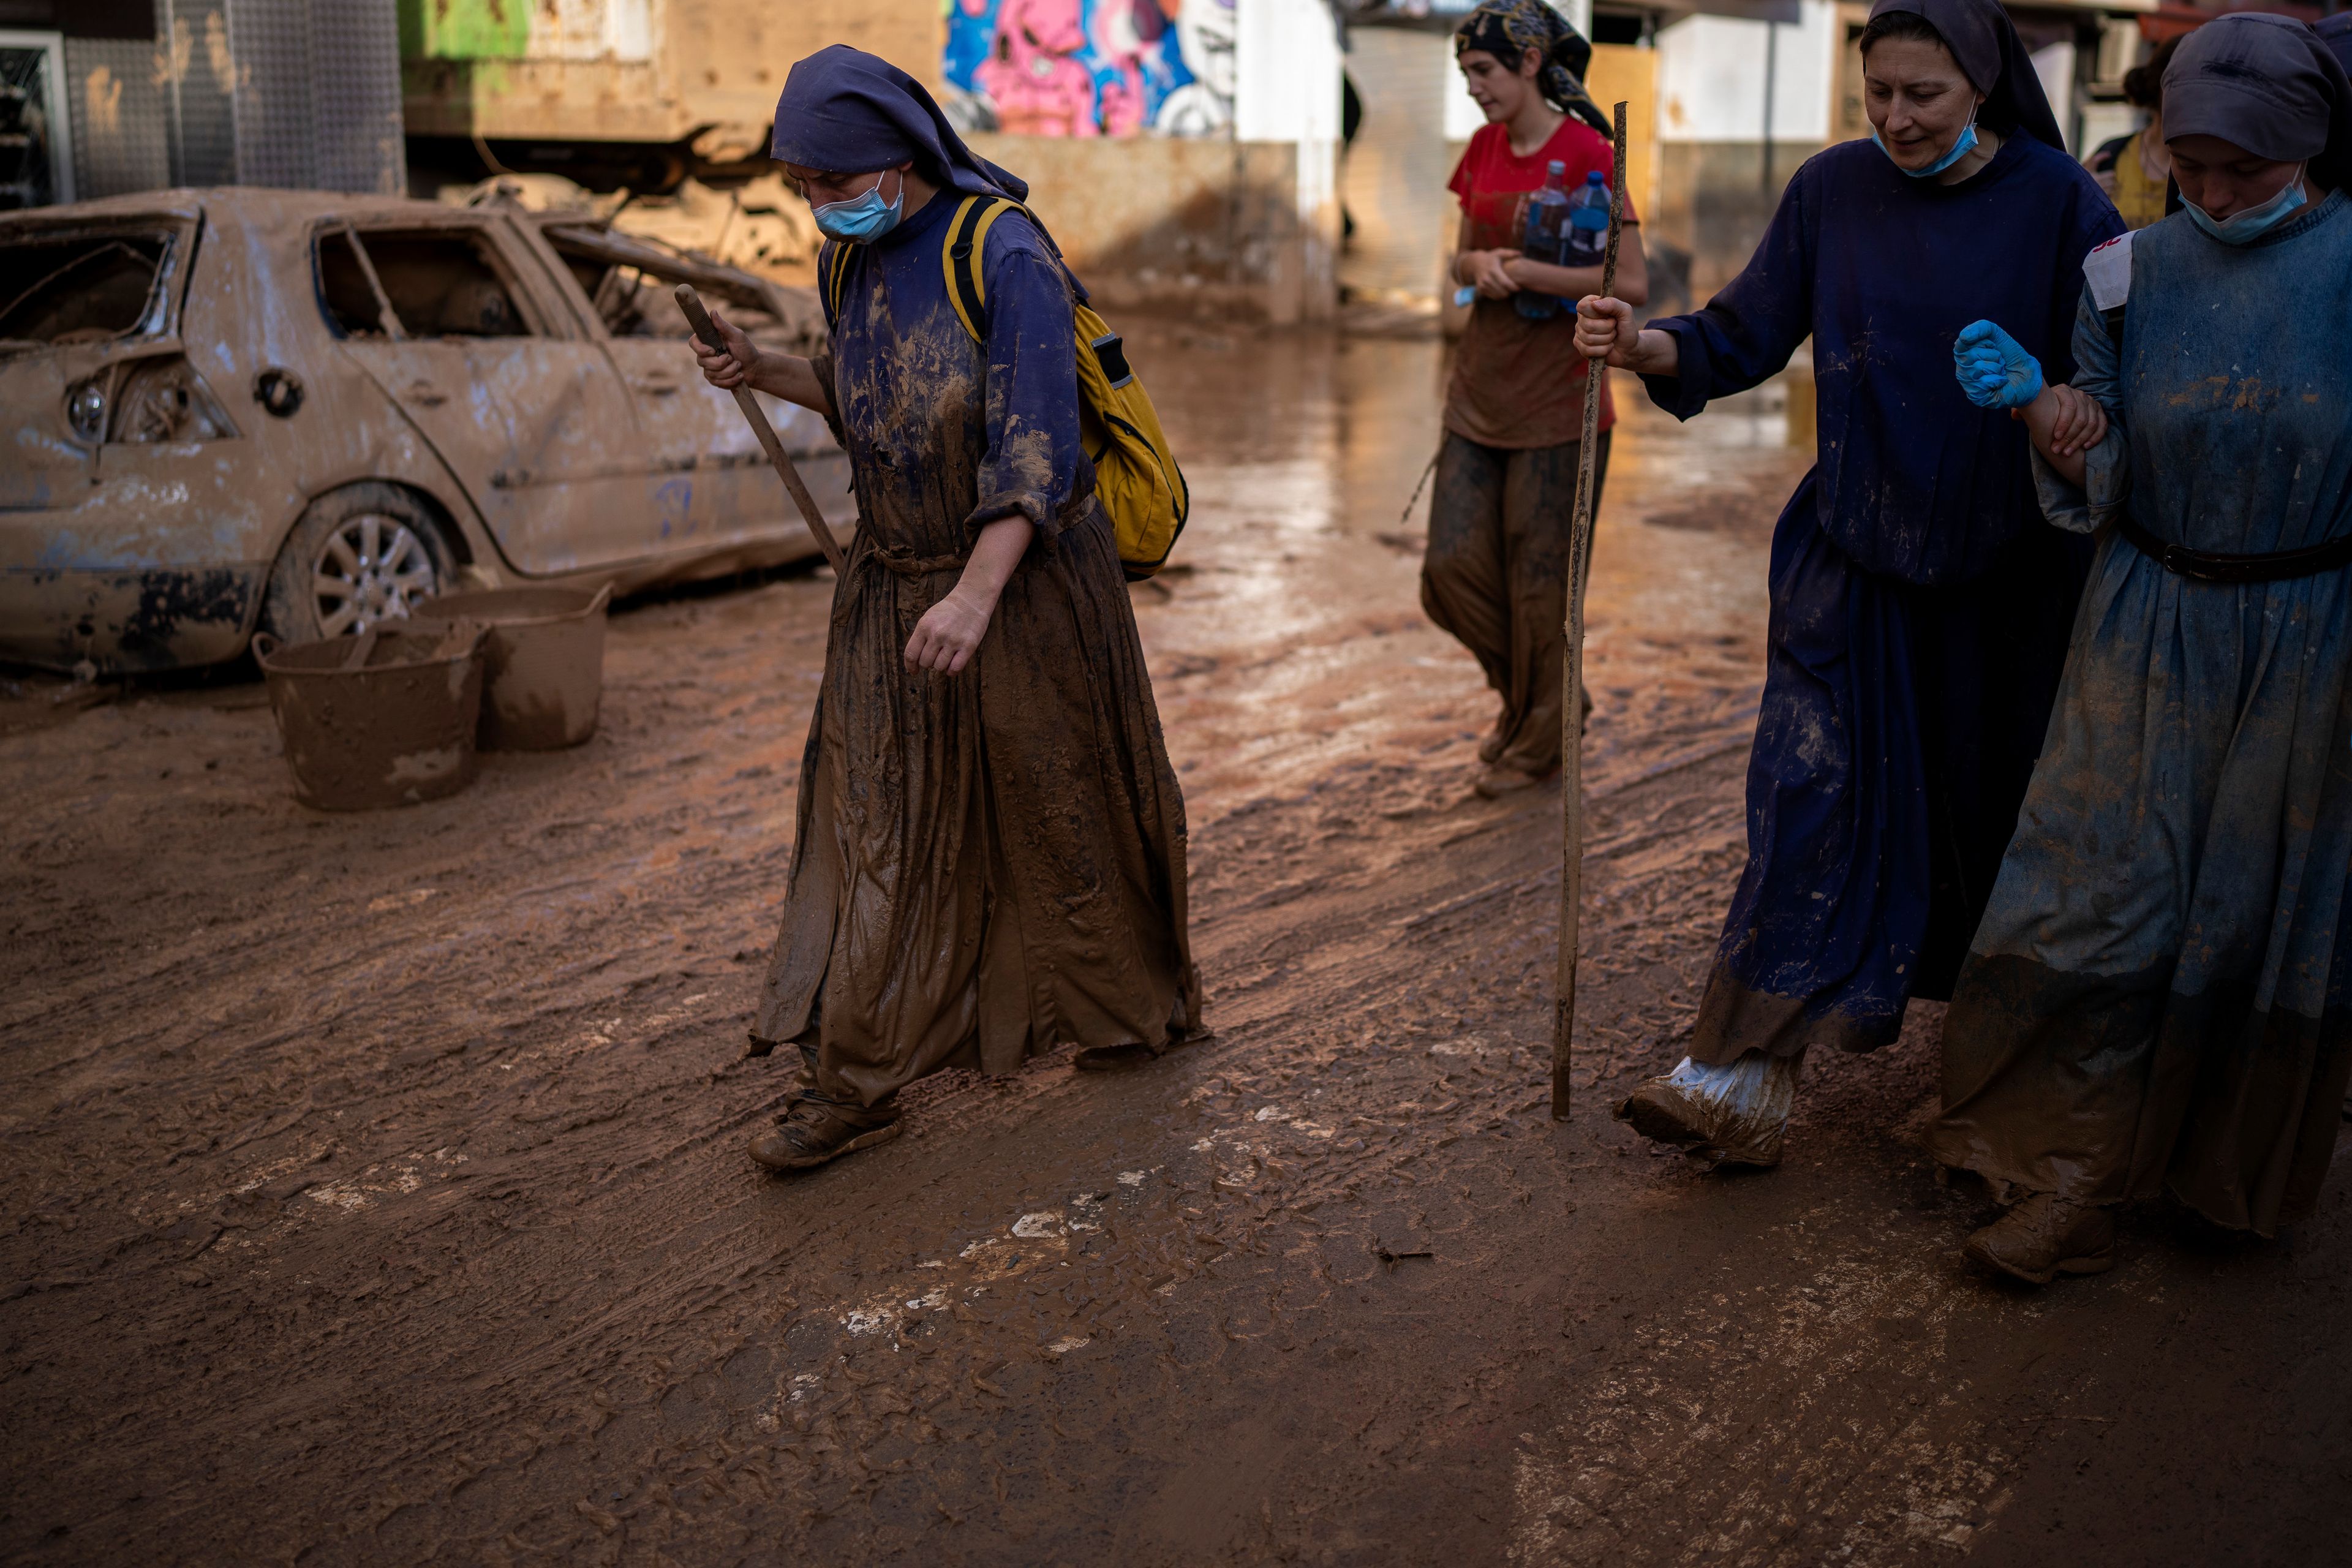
85 412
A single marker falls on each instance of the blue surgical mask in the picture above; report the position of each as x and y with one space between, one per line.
862 219
1965 145
2246 228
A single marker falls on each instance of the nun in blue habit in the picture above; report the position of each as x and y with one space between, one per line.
1919 604
2159 998
990 861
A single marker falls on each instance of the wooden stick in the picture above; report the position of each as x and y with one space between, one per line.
1572 693
699 320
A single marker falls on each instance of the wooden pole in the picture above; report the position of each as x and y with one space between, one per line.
699 320
1572 698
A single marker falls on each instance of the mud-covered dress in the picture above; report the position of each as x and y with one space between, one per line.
1919 605
2161 992
989 863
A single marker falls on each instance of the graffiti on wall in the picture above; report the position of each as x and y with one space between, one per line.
1091 67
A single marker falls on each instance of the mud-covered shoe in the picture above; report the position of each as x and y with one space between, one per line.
812 1132
2045 1235
1733 1115
1497 780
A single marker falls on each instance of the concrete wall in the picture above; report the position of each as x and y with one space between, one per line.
1724 82
1177 223
1393 176
1715 198
634 70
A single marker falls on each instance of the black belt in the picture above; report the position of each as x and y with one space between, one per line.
2207 567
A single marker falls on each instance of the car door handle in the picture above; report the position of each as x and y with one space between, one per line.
656 386
427 395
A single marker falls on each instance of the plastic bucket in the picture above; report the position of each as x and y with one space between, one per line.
545 662
383 719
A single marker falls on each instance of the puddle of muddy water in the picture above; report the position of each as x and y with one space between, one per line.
1298 575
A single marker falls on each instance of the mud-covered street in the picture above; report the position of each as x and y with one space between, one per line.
376 1187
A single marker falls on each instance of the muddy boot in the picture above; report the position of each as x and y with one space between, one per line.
812 1131
1732 1115
1125 1056
1497 780
2043 1237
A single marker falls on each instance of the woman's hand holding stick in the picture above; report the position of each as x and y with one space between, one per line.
731 361
1605 331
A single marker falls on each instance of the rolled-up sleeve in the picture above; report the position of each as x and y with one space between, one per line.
1034 465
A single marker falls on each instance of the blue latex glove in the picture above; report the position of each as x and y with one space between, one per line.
1993 370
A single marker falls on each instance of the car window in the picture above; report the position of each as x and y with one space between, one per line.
437 283
629 285
82 288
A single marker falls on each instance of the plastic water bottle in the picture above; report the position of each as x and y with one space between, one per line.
1546 239
1588 220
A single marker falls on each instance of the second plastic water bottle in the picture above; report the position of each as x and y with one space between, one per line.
1546 239
1588 220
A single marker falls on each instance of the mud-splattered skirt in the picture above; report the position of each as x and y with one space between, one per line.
991 864
2160 995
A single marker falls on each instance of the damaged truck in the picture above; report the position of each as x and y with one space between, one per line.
244 409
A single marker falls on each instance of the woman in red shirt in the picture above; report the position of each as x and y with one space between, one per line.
1496 575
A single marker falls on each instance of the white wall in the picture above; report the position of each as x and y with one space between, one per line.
1711 77
1287 68
2055 65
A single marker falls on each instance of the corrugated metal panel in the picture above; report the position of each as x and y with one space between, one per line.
118 112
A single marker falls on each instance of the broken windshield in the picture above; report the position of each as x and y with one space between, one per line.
84 288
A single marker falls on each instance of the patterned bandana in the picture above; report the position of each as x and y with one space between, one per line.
1507 28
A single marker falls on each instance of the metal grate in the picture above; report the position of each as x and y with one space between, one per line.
198 68
355 61
276 117
118 114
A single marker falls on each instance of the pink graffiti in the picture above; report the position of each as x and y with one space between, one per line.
1039 85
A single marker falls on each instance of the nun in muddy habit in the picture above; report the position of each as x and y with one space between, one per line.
1919 606
2159 998
989 858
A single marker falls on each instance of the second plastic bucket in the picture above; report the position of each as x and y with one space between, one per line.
545 662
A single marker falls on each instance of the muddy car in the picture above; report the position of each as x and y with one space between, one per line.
229 410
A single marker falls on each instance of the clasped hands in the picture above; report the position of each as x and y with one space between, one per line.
1995 372
1491 272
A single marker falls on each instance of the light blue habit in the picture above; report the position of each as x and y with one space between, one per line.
2159 991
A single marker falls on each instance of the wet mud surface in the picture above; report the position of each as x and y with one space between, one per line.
375 1187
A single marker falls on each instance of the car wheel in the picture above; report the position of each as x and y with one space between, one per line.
360 557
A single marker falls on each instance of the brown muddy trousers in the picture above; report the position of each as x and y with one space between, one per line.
989 865
1496 577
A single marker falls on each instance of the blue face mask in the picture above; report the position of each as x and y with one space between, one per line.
2246 228
1961 148
862 219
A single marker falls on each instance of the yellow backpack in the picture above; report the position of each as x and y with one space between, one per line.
1136 475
